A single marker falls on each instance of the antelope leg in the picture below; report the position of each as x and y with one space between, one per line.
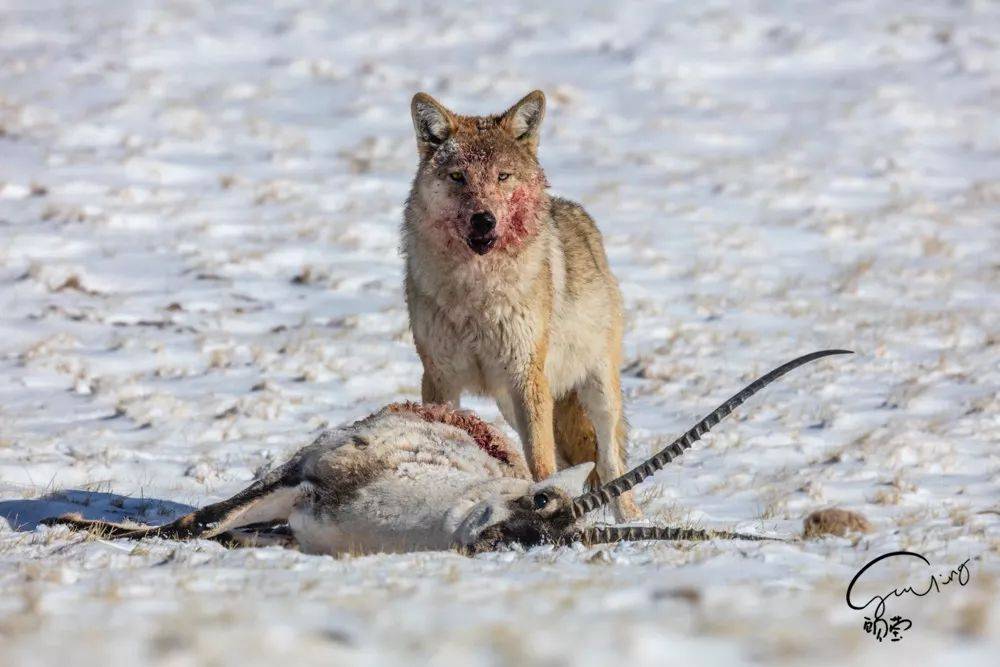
268 499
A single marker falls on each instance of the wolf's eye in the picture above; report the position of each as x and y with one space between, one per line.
540 500
457 176
503 176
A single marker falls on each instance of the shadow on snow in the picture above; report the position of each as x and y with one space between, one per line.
24 515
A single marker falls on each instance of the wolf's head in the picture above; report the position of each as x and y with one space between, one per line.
479 187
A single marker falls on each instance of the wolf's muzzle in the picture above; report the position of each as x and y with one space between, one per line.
482 236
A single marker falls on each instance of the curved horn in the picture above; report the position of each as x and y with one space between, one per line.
591 501
610 534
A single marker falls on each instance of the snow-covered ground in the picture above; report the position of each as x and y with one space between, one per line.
198 269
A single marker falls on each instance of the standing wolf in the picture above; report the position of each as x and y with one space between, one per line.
509 290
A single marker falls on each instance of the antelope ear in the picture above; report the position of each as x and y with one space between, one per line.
432 121
524 118
569 480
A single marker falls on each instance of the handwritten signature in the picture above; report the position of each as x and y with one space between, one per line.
893 628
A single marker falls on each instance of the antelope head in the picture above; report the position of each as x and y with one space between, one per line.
553 510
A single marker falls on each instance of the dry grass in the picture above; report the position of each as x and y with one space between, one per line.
834 521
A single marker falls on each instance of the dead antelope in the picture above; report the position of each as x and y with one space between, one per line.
418 477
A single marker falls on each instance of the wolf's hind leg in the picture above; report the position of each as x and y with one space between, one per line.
574 433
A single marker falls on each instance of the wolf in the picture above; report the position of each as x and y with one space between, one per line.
509 291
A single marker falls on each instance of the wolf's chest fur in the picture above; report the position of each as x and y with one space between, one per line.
482 317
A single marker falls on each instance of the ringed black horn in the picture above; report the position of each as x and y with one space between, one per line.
612 534
602 496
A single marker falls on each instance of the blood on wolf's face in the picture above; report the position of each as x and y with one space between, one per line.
479 187
486 197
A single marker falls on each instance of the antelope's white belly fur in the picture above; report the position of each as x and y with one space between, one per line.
416 507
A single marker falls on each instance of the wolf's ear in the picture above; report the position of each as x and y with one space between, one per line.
432 122
570 480
524 118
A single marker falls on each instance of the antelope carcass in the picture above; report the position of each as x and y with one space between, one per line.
418 477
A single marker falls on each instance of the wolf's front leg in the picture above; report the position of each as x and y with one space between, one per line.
532 402
435 389
436 386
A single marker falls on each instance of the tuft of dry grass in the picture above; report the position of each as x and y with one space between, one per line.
834 521
892 492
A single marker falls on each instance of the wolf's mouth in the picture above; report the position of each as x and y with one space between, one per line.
481 244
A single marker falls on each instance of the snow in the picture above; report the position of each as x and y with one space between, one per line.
199 206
